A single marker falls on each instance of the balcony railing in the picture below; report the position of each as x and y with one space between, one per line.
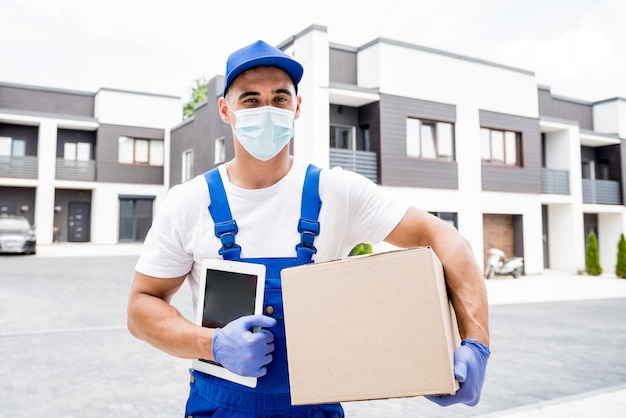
362 162
604 192
555 181
19 167
75 170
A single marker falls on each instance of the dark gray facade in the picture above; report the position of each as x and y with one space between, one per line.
199 133
42 100
524 179
28 133
351 116
65 136
13 199
343 65
109 169
564 108
396 168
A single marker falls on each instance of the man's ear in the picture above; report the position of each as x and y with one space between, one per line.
298 101
223 110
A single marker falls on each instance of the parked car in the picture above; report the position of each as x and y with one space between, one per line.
17 235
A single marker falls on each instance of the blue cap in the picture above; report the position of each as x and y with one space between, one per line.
257 54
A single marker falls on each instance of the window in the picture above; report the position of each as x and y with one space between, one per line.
12 147
448 217
603 170
156 152
367 142
429 139
77 151
140 151
342 137
220 150
588 168
500 147
187 166
135 218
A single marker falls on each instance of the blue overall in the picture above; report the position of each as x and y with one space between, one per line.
214 397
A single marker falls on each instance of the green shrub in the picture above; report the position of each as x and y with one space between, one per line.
620 268
592 256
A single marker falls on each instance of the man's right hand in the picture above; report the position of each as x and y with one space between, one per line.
242 351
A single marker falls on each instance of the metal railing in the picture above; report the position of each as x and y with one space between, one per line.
604 192
75 170
555 181
19 167
362 162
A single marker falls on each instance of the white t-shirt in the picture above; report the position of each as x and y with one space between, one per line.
354 210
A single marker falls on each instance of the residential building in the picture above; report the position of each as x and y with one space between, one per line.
82 166
477 143
583 159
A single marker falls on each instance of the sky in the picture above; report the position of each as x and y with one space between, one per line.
575 47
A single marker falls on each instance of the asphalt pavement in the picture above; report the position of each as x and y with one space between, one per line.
557 345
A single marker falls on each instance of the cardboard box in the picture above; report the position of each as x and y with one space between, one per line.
369 327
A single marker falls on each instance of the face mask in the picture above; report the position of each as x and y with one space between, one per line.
264 131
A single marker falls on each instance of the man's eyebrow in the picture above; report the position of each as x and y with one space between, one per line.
247 94
283 91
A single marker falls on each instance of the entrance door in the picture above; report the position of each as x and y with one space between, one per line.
79 222
504 232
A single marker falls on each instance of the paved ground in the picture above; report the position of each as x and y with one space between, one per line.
557 343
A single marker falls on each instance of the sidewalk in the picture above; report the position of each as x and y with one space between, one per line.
553 286
556 286
606 404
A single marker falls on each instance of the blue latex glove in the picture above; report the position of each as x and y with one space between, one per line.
242 351
470 362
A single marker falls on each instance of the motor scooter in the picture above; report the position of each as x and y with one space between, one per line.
499 265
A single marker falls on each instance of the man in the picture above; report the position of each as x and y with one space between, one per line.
264 214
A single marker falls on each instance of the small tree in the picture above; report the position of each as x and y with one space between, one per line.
592 256
198 94
620 268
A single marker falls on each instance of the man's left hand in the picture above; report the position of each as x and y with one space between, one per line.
470 363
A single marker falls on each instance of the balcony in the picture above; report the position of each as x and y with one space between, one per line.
19 167
362 162
603 192
555 181
75 170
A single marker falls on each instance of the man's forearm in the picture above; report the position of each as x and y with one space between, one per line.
158 323
467 292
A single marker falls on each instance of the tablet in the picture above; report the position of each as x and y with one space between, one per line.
228 290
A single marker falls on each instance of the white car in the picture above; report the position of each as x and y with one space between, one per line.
17 235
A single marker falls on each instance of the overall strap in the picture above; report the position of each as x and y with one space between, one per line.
225 225
309 226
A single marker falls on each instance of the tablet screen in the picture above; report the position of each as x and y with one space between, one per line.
228 295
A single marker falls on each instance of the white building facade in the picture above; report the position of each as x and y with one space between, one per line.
84 167
477 143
